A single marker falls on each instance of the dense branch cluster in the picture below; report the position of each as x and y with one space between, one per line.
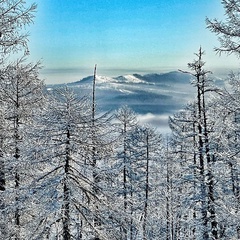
228 31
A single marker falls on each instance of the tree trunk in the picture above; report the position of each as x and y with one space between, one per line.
168 223
210 180
2 172
97 221
66 192
194 173
17 156
125 178
3 225
201 163
146 189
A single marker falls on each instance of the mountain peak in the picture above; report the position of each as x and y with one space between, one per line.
173 77
129 78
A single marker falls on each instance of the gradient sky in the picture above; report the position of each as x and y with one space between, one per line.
122 36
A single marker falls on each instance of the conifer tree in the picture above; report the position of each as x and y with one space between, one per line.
205 146
127 122
14 16
20 96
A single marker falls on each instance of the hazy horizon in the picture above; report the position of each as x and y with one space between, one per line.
68 75
122 37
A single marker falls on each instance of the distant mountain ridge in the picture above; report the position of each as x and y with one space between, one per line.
155 94
170 77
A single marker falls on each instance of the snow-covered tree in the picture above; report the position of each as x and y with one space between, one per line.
226 139
182 185
137 167
229 36
15 15
127 121
65 186
64 136
20 97
195 146
228 121
205 157
148 148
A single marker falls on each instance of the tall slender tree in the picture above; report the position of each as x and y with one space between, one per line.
229 38
14 16
226 107
182 190
127 121
206 159
21 95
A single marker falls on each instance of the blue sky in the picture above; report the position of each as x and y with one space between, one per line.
122 36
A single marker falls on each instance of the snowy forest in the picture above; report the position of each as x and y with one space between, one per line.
69 171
